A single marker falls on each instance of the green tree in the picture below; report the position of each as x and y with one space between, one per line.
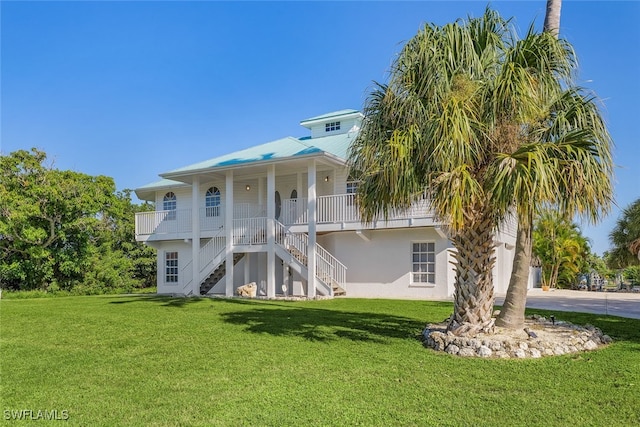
561 248
487 126
625 238
59 229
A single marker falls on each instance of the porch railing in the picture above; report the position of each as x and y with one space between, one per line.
342 208
330 209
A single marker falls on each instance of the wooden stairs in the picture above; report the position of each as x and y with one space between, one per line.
218 274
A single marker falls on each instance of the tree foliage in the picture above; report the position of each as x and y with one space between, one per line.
486 125
66 230
561 248
625 238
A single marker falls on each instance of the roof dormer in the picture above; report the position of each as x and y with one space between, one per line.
335 123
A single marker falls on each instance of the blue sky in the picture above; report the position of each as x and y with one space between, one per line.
133 89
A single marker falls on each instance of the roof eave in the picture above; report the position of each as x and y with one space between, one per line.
184 174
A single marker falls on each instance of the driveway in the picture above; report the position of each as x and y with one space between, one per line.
623 304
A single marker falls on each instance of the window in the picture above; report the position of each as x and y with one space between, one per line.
330 127
424 263
352 188
212 202
294 194
171 267
169 203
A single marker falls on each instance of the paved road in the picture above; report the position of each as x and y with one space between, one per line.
623 304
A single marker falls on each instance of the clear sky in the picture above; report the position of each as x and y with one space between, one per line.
133 89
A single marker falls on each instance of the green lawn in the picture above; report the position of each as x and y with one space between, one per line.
145 360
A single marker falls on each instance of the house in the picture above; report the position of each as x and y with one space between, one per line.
283 215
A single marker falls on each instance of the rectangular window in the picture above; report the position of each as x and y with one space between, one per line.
171 267
330 127
423 260
352 188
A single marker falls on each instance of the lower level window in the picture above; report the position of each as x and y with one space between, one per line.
171 267
423 256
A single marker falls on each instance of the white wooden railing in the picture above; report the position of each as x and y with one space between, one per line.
180 220
250 231
341 208
328 268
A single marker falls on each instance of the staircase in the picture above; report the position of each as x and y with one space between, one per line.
330 271
338 291
218 274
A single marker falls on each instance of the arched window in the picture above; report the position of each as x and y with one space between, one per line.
169 203
294 194
212 202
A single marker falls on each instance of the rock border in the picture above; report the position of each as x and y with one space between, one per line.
540 337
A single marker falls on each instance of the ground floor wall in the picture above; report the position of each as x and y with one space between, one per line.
380 264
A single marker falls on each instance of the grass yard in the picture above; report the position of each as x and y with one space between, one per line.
147 360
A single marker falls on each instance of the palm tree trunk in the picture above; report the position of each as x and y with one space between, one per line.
473 296
512 313
552 17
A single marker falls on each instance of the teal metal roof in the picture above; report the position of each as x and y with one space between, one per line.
330 115
286 148
162 183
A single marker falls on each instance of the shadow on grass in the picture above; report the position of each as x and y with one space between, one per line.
323 325
166 301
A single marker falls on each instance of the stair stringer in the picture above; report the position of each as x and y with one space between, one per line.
220 282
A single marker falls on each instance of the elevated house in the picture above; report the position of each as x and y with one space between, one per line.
283 215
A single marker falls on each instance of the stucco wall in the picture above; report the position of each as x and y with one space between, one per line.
381 267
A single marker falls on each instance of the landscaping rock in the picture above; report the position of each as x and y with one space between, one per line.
550 340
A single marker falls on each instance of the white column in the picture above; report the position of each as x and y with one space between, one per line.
299 207
285 279
271 245
195 234
311 250
261 192
228 227
247 267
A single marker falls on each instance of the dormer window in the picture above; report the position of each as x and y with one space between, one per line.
330 127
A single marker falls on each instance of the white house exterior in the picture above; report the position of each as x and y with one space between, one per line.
284 215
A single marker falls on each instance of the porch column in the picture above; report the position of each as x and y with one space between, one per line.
271 240
247 267
261 193
228 228
299 206
195 234
311 250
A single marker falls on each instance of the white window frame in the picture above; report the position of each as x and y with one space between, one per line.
332 126
171 276
212 199
352 188
423 263
170 203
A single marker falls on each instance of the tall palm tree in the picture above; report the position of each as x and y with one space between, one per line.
552 17
477 120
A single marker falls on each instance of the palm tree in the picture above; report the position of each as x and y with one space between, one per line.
552 17
482 123
560 247
512 313
625 238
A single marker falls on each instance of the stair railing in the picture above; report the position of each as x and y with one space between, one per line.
328 268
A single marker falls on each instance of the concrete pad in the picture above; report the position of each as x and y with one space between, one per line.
623 304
